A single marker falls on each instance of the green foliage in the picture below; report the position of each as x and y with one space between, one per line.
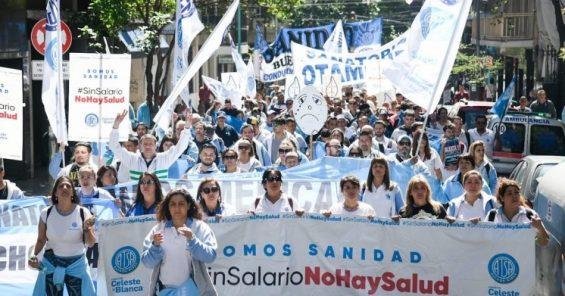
474 67
282 10
562 53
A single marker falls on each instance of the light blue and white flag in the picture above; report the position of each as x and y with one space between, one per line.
250 80
223 91
52 91
188 25
336 42
503 102
420 69
163 117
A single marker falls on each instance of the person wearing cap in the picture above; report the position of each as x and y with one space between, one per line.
81 157
291 160
225 131
273 141
147 160
8 190
291 128
260 132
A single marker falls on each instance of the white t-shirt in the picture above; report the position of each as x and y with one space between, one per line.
466 211
266 206
176 265
434 162
487 137
363 210
382 201
64 233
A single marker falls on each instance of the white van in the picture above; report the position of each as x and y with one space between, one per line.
521 135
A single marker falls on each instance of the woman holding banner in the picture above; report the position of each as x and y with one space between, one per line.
64 229
178 247
148 196
209 197
419 202
350 206
474 204
380 192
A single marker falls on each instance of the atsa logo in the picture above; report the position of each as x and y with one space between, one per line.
503 268
125 260
91 119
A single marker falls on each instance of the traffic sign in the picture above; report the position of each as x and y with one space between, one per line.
38 36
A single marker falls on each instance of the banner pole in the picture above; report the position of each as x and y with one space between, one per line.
311 147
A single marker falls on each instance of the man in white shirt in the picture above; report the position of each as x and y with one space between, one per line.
481 132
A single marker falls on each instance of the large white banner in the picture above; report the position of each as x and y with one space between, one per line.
98 90
11 114
314 255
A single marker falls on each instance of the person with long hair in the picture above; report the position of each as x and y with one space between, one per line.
147 197
419 202
474 204
350 205
63 230
106 176
178 247
230 159
483 164
380 192
246 161
427 155
209 197
166 143
513 209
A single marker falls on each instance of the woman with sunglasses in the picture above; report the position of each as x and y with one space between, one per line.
247 161
350 205
209 196
274 200
355 151
178 248
148 196
229 159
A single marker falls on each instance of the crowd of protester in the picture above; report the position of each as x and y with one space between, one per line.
205 142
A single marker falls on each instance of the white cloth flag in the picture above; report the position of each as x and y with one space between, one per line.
188 25
163 117
421 70
223 91
247 72
337 42
52 92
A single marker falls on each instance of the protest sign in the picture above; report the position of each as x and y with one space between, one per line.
277 61
98 90
310 110
11 114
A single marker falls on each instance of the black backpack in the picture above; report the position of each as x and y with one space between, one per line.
81 218
492 213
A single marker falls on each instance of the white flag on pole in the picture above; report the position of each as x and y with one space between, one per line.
188 25
250 80
163 117
421 70
336 42
223 91
52 92
247 72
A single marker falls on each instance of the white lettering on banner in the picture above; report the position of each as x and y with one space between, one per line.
526 120
101 79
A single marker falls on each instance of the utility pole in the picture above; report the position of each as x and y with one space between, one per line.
239 29
478 14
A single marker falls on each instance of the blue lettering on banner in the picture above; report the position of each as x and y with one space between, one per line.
503 268
125 260
497 291
119 285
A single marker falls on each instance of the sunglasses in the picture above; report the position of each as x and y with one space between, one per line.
404 144
243 147
355 154
146 182
230 157
273 179
207 190
285 150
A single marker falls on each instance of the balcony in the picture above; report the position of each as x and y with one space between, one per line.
510 30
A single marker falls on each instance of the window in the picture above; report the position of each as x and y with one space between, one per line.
519 177
547 140
511 138
539 172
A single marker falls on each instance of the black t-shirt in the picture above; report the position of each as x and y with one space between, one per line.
424 212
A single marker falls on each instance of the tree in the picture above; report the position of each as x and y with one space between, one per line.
474 67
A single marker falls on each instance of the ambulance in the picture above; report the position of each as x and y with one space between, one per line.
522 134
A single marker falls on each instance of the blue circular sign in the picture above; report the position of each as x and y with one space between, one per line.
91 119
125 260
503 268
